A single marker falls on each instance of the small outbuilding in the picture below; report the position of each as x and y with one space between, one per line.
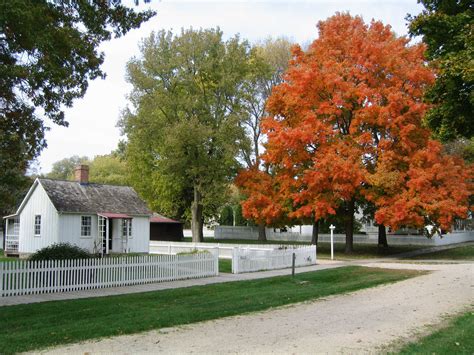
163 228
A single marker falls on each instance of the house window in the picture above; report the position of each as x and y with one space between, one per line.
86 222
37 225
127 228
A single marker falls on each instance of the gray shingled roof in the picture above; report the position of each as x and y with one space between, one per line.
71 196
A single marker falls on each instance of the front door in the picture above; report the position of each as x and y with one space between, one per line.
111 223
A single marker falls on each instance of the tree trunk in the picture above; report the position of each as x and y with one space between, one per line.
315 233
382 237
262 235
196 217
349 226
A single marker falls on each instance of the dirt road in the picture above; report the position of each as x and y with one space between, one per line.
361 321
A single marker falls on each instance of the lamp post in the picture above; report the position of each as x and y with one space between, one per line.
331 227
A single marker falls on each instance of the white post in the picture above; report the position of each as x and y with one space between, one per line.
106 236
331 227
235 265
127 236
5 237
1 279
216 256
100 237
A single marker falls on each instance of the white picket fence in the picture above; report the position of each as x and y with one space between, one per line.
33 277
225 249
253 259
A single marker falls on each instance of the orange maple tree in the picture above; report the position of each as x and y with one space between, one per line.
346 125
263 204
433 190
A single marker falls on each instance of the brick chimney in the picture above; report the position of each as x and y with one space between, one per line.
81 173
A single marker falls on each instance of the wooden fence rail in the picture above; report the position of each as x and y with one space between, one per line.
33 277
253 259
225 249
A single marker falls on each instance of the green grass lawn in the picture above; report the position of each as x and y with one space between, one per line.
463 252
456 338
363 251
225 265
7 258
35 326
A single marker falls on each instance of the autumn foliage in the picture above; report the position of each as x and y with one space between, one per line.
347 125
263 204
433 190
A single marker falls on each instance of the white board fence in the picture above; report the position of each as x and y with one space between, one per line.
225 249
252 259
33 277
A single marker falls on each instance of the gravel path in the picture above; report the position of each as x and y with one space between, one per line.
362 321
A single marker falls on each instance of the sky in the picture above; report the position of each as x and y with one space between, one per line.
93 119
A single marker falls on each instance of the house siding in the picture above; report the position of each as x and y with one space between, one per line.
70 231
117 242
140 241
38 204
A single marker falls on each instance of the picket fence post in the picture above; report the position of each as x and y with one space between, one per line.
235 261
216 261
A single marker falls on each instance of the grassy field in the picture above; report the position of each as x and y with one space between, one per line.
456 338
5 258
225 265
463 252
364 251
35 326
361 251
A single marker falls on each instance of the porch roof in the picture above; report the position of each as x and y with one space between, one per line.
11 216
158 218
111 215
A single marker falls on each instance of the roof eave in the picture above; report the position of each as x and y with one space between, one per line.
27 197
11 216
98 213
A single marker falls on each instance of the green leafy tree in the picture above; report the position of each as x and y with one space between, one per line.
64 168
447 27
227 216
271 61
103 169
183 128
239 219
48 53
13 187
461 147
108 169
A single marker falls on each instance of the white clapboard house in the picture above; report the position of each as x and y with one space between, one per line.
100 218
